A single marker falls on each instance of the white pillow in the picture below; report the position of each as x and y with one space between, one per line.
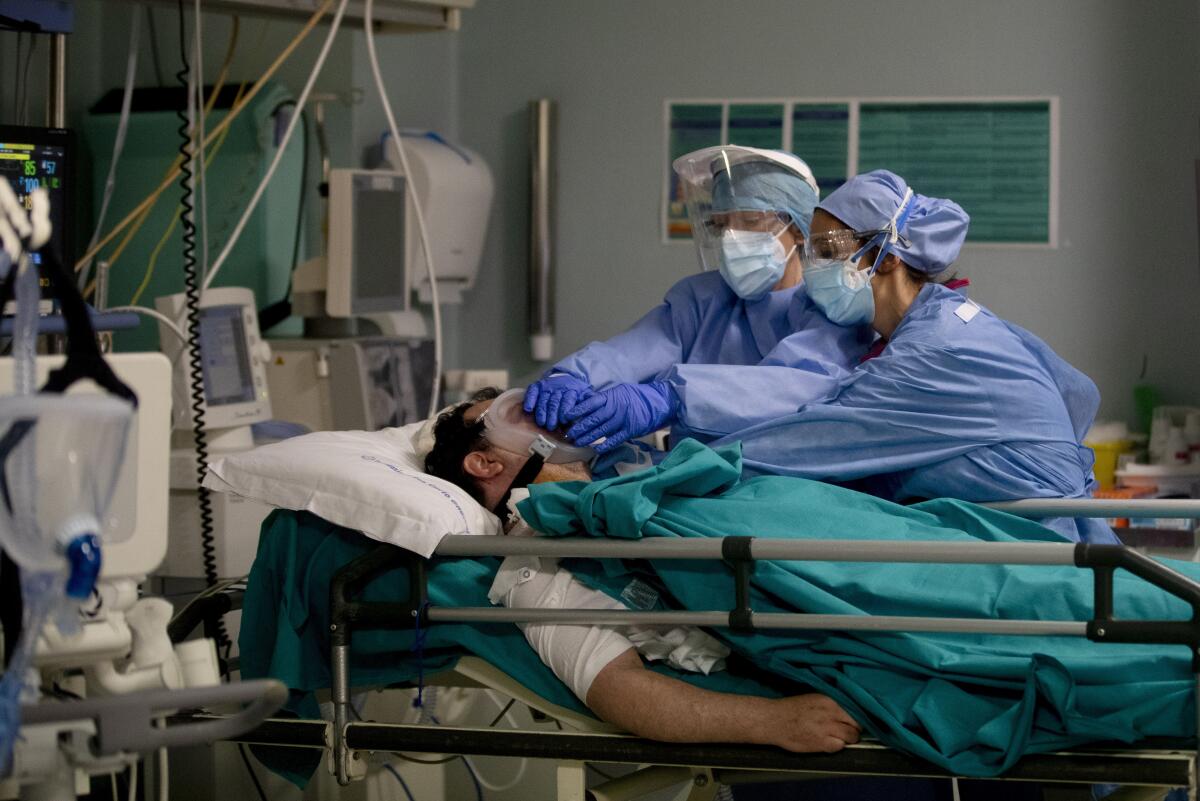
371 481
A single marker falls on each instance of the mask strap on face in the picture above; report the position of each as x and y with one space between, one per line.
787 223
540 452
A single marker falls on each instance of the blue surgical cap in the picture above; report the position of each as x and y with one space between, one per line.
936 227
764 186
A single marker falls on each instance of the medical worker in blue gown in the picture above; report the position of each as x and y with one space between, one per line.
959 404
721 352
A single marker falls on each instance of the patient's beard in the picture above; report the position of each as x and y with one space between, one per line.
568 471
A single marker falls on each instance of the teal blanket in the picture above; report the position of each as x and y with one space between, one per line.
973 704
285 627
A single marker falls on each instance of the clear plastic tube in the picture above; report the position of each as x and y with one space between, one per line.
24 466
110 182
41 592
25 336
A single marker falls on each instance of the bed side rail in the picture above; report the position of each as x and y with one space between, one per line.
346 614
740 553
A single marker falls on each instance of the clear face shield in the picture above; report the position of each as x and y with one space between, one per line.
717 208
506 425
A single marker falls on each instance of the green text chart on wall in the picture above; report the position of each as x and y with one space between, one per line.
995 157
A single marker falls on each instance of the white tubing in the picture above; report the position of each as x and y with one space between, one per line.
172 325
133 771
164 778
499 788
110 183
287 137
434 405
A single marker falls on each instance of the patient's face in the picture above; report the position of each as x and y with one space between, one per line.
504 465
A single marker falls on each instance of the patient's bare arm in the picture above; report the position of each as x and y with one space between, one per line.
658 707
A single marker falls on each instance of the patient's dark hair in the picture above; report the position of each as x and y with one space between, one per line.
453 439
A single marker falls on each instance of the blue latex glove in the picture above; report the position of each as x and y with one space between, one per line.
549 399
623 412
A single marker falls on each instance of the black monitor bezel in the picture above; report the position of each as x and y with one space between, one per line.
64 137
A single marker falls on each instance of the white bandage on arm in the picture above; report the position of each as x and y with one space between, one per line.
576 654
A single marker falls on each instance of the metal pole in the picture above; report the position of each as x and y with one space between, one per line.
541 228
1101 507
56 96
341 709
762 620
1019 553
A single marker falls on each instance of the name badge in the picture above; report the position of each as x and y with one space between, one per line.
967 311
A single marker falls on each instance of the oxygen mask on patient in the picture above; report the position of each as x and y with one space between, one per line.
506 425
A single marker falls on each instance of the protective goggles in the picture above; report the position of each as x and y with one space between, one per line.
506 425
716 223
821 250
831 247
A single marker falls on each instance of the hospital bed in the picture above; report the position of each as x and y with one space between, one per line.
342 485
1147 771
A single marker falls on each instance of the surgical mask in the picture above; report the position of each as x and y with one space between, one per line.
832 276
841 291
752 262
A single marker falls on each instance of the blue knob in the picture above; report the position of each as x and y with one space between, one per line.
83 556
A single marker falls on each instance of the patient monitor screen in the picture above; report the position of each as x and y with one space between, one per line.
32 158
225 357
379 246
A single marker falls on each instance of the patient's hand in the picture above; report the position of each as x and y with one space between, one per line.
812 723
663 708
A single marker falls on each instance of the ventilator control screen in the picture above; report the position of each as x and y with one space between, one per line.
225 357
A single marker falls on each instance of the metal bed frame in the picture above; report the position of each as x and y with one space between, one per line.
1155 767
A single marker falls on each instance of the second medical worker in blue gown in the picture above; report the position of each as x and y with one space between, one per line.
730 337
959 404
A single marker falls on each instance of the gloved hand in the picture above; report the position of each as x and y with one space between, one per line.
549 399
623 412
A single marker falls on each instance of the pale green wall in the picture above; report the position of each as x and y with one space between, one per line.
1124 283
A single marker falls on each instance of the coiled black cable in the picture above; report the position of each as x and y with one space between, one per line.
195 361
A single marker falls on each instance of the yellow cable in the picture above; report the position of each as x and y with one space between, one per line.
116 254
208 107
153 261
124 243
174 170
120 248
137 295
223 73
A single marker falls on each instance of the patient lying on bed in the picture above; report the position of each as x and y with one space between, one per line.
604 666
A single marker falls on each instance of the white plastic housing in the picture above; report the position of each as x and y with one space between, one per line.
455 188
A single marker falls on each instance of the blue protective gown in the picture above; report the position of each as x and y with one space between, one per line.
736 362
978 410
